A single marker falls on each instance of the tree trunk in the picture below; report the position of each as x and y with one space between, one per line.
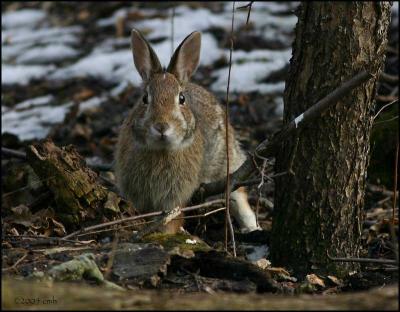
318 209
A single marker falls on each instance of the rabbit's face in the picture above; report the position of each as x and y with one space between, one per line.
164 119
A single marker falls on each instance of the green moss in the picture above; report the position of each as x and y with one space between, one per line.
171 241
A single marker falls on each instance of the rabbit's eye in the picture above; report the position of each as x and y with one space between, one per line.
181 99
146 98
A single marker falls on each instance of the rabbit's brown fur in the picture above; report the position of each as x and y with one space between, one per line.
165 148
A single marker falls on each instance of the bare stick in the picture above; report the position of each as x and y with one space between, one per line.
396 160
162 220
245 6
133 218
14 266
172 30
384 106
248 12
268 148
389 78
13 153
366 260
228 220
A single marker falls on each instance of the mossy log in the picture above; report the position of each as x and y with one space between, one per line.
78 195
19 295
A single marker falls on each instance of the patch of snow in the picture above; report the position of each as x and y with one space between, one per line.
47 54
67 35
99 65
91 103
191 241
246 77
22 18
257 252
298 119
188 20
395 14
119 89
118 65
34 123
23 74
260 55
38 101
9 52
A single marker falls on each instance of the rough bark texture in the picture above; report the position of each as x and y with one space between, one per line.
78 195
18 295
318 210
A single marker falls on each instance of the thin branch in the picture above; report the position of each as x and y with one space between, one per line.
384 106
363 260
268 148
172 30
386 120
14 266
389 78
228 220
248 5
13 153
133 218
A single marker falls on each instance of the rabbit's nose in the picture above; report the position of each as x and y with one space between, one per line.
161 127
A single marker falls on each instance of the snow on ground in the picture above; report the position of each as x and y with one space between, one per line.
249 69
32 119
23 74
93 102
22 18
39 101
34 49
47 54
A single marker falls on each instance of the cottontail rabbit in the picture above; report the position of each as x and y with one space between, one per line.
174 137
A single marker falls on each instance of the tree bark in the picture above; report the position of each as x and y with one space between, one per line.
318 208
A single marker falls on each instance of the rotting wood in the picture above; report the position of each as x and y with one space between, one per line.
78 195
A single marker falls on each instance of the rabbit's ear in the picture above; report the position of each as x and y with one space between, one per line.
186 57
146 60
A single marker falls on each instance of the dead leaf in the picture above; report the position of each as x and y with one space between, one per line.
315 280
262 263
22 215
83 95
112 202
59 228
278 270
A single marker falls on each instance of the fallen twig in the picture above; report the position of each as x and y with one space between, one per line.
161 220
14 266
133 218
389 78
384 106
366 260
228 220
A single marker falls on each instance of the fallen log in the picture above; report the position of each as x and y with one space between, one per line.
78 195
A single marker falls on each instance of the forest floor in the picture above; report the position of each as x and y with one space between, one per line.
68 75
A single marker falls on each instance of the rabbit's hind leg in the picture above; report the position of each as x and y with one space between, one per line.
242 211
